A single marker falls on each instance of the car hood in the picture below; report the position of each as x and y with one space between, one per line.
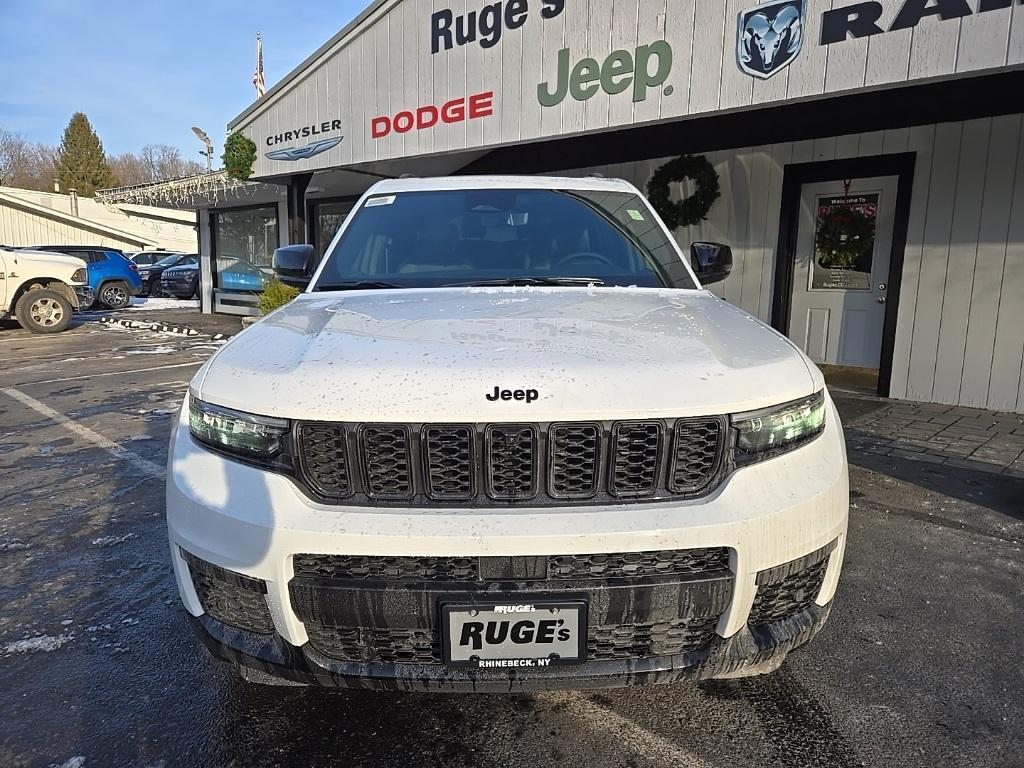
434 355
49 257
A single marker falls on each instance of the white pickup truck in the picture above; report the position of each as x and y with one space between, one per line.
40 289
506 441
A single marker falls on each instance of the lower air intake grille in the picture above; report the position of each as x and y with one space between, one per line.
229 597
781 598
356 568
641 641
392 646
635 565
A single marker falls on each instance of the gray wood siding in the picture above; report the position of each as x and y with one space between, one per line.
384 65
960 328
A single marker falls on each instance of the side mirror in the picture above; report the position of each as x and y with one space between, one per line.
711 261
293 265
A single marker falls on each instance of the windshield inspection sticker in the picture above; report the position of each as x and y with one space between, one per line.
635 215
375 201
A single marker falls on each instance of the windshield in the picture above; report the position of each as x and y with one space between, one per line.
503 236
167 261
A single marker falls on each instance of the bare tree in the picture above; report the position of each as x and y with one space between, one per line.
25 165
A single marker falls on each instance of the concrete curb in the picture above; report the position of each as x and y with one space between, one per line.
160 327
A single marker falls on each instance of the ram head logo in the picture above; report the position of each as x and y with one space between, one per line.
770 37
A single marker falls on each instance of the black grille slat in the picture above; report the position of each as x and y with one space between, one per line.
450 462
387 463
636 456
511 461
575 460
697 447
324 454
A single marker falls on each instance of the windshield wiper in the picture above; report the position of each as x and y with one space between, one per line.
528 281
356 285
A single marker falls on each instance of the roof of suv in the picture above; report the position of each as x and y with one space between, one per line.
500 182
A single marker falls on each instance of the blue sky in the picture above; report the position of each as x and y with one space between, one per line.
146 71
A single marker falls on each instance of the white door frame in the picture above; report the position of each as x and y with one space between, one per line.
795 177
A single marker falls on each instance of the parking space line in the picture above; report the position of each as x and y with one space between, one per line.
119 452
634 737
195 364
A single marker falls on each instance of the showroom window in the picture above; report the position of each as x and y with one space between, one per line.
244 240
327 216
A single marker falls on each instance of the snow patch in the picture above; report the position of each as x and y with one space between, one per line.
151 351
109 541
142 303
13 546
78 761
43 643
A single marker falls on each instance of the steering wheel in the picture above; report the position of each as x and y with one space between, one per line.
589 257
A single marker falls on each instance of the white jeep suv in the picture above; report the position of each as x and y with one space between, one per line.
505 441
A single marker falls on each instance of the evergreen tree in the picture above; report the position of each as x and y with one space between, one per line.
81 162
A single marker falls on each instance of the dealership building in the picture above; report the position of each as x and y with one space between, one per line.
869 155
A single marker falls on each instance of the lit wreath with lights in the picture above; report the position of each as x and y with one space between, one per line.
692 209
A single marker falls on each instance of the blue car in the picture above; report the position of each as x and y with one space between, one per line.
113 278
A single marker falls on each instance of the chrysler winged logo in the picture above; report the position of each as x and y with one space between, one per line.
770 37
301 153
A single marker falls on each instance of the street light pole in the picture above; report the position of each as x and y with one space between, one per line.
208 152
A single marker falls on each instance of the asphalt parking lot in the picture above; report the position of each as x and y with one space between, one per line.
920 664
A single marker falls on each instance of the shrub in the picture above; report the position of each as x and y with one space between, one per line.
275 295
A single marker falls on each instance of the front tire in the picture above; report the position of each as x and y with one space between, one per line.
154 288
41 310
115 295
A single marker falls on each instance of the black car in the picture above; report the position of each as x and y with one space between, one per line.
181 281
151 274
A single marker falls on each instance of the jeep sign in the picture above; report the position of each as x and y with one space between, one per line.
648 67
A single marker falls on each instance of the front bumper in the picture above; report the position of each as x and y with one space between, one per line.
782 522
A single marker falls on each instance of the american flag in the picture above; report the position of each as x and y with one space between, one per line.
257 78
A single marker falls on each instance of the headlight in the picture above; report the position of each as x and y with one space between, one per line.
80 276
765 433
256 438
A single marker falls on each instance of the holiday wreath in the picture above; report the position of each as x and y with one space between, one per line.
692 209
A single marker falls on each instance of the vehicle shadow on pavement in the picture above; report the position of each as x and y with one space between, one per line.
995 492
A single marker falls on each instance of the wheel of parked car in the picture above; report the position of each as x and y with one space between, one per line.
41 310
154 287
195 289
115 295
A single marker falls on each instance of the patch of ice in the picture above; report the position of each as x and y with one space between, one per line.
151 351
109 541
142 303
137 438
42 643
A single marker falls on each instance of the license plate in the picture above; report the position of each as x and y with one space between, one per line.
508 635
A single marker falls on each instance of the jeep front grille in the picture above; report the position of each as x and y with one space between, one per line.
505 464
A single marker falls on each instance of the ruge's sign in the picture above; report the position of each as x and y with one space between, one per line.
647 67
486 25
